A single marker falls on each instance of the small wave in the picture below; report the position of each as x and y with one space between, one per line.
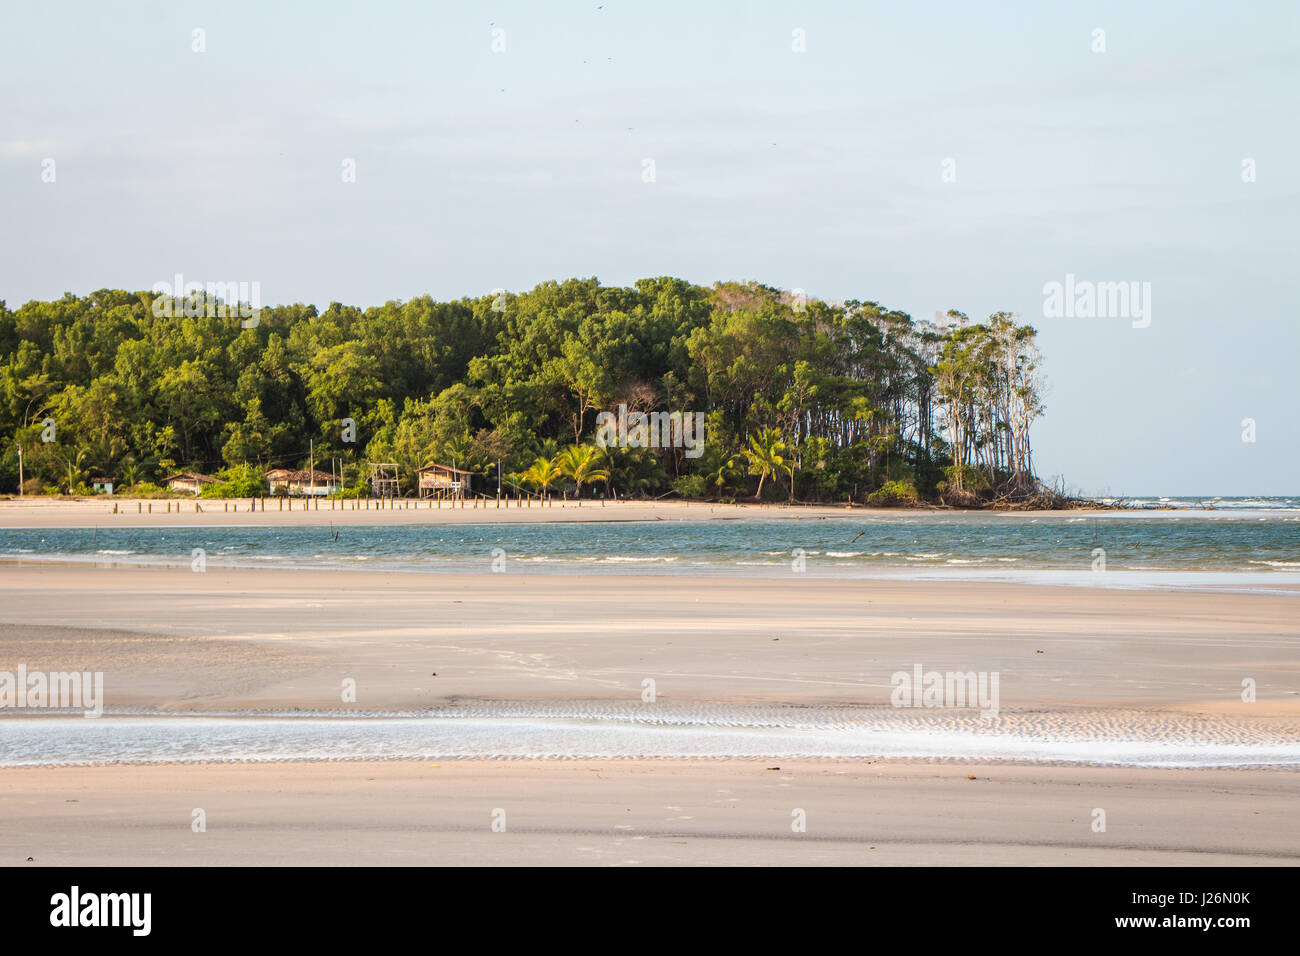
629 560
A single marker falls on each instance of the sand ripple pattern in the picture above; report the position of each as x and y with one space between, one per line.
577 730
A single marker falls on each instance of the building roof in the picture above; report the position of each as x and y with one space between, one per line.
190 476
287 474
444 468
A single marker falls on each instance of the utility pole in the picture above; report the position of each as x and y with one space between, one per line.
20 469
311 464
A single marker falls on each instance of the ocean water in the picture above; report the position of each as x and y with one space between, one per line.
1250 547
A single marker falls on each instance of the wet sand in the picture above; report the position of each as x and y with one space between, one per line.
1071 659
243 639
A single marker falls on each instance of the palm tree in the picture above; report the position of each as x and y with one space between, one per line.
541 474
766 456
723 475
73 461
579 462
131 473
636 471
607 458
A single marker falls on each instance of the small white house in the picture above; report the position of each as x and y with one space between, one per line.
190 481
103 486
305 483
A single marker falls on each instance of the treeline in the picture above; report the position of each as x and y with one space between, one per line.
804 400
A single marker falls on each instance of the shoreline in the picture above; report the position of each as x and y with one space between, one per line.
1264 583
37 513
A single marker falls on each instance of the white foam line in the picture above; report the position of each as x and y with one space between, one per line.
71 740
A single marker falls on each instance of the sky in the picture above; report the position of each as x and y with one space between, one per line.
926 156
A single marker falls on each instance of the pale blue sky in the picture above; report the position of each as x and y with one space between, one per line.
818 170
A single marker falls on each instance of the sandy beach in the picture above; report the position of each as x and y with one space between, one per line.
244 641
130 512
670 813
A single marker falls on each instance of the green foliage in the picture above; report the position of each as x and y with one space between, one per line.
894 493
582 464
766 455
824 402
147 489
241 481
541 475
691 486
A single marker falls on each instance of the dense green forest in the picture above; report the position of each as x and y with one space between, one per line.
805 400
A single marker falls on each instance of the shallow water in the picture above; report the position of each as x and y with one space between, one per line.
649 731
1250 548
